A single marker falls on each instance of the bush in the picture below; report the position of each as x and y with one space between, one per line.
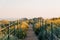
20 34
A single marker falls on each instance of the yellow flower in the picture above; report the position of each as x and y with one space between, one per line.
5 22
37 25
24 25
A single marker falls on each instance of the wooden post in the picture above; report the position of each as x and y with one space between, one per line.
8 33
46 34
46 27
14 29
51 31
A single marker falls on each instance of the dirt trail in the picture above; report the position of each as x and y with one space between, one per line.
30 34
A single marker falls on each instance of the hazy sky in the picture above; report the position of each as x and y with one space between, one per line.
29 8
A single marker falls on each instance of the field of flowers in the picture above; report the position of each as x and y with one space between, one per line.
45 29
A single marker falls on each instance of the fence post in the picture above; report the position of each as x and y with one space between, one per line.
8 33
46 28
14 29
18 28
51 31
42 22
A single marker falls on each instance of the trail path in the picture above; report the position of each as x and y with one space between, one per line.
30 34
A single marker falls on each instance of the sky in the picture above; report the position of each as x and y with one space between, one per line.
29 8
